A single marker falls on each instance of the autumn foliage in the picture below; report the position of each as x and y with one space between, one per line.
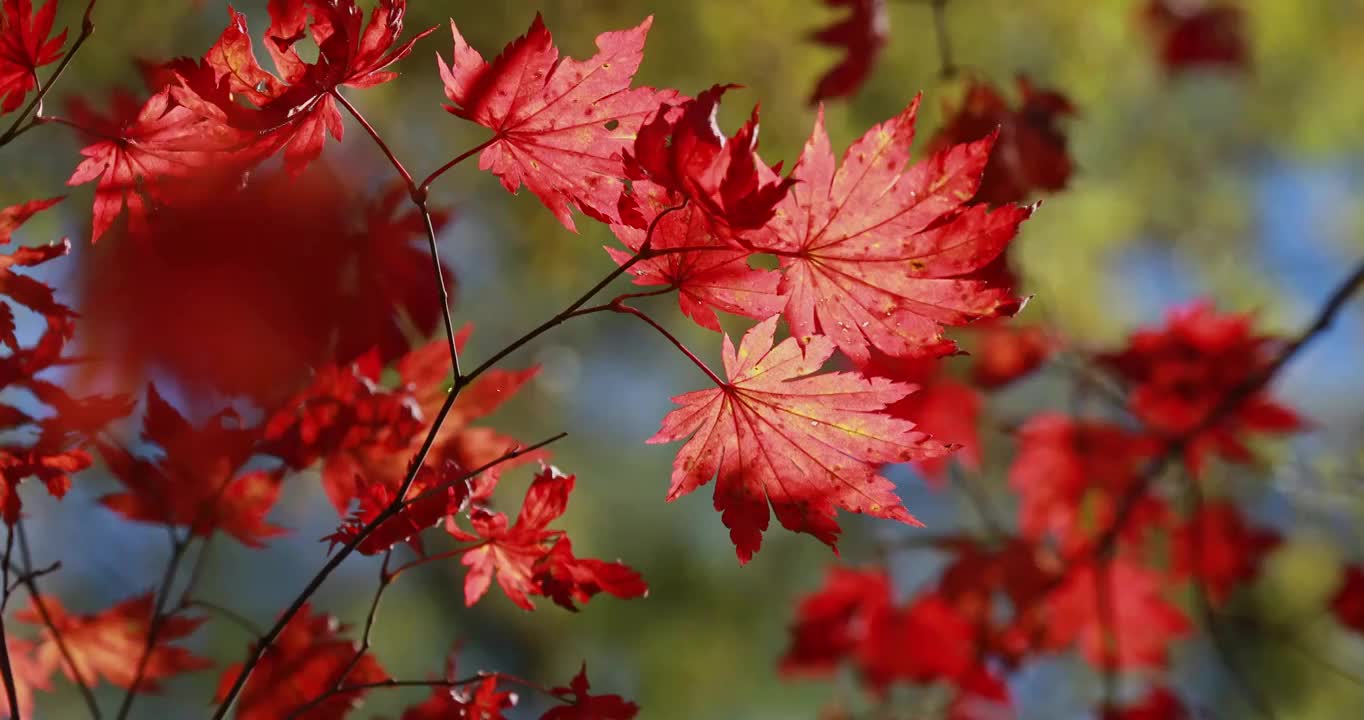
877 276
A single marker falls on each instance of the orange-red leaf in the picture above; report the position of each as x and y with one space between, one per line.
862 34
108 644
309 658
778 434
561 124
879 254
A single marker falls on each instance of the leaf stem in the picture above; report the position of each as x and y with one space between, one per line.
6 667
426 184
630 310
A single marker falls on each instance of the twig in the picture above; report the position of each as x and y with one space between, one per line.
1205 610
1176 446
6 668
268 638
418 197
946 67
87 28
621 307
382 684
227 613
159 618
30 581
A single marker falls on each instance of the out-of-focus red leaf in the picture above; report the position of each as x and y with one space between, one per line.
861 34
1348 602
1143 623
1198 34
583 705
1030 154
108 644
309 658
1219 550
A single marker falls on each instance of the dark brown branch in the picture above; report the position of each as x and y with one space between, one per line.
6 667
158 621
18 128
30 582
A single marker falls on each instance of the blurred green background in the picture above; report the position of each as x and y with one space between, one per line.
1241 186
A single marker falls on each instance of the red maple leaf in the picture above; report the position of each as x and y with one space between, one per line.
778 434
1181 373
108 644
1159 704
1197 34
682 150
142 157
297 110
862 34
1065 466
836 620
941 406
485 702
195 484
877 255
560 124
1348 602
1219 550
25 47
24 290
1004 353
980 576
981 696
434 496
528 558
583 705
1030 154
1142 625
29 675
309 658
710 275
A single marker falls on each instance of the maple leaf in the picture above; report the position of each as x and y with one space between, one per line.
25 46
143 158
979 576
309 658
560 124
423 511
682 150
107 644
1063 462
877 255
1030 154
778 434
585 706
1003 354
486 702
861 34
194 485
1196 34
1184 371
941 406
296 111
1143 623
1219 550
833 622
274 264
522 562
1348 602
711 275
981 696
29 675
24 290
1158 704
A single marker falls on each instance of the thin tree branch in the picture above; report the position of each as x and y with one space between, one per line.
946 66
227 613
6 668
630 310
384 684
393 508
1176 446
30 582
159 618
426 184
87 29
418 197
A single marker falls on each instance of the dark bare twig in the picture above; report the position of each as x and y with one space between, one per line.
30 582
6 667
159 618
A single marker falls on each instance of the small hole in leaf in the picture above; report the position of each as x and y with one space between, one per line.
612 124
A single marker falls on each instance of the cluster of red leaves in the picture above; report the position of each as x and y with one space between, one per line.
26 44
49 446
1097 551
